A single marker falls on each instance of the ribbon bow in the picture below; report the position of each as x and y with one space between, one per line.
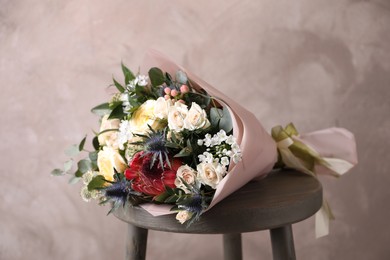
331 151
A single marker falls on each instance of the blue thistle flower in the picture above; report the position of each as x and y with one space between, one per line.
118 192
155 144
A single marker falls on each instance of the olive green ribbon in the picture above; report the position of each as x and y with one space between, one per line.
292 153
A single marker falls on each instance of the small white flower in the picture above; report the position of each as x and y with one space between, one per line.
225 161
124 134
237 157
222 135
200 142
230 140
142 80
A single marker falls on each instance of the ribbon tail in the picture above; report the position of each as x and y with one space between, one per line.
337 166
322 219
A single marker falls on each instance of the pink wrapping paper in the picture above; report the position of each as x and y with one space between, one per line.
258 149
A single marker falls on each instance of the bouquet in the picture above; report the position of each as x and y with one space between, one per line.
170 142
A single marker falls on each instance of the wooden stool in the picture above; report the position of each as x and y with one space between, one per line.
274 203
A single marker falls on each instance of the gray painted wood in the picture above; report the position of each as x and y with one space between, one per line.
232 246
282 198
136 243
274 203
282 243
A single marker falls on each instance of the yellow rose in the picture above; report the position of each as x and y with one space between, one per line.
145 116
109 138
108 160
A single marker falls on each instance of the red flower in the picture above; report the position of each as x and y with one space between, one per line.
151 180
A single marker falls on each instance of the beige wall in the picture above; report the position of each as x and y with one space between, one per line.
317 63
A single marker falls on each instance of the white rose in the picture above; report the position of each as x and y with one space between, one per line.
108 160
161 107
210 173
143 117
196 118
109 138
176 116
183 216
187 174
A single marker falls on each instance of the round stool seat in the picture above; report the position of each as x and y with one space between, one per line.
282 198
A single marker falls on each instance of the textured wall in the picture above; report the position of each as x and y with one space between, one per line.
315 62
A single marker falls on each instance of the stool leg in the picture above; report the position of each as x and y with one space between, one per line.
282 243
136 243
232 246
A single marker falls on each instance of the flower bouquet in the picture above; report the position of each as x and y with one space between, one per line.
170 142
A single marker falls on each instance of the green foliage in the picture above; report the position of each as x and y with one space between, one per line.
72 150
156 76
129 76
117 111
97 183
57 172
118 86
84 165
220 118
102 109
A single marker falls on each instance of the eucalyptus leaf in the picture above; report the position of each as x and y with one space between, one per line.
181 77
68 165
84 165
57 172
97 182
72 150
102 109
221 118
226 121
156 76
74 180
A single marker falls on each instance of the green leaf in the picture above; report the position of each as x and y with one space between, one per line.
203 100
97 182
129 76
156 76
57 172
74 180
118 86
84 165
95 143
102 109
72 150
82 143
68 165
117 112
78 173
